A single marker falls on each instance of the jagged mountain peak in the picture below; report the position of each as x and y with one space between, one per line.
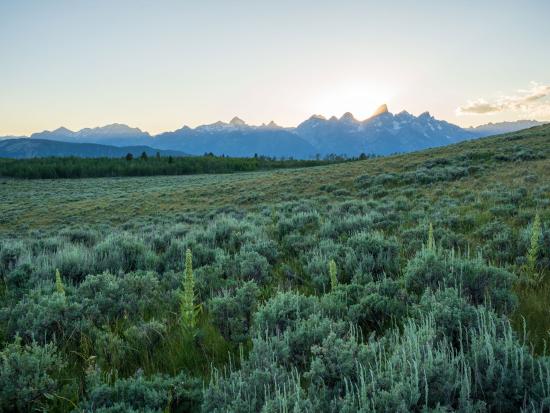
236 121
119 127
63 131
380 111
270 125
348 117
111 129
404 113
425 115
317 117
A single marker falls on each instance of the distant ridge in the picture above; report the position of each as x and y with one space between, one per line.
505 127
115 134
41 148
381 134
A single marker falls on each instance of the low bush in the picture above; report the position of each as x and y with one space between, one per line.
232 311
157 393
478 282
29 376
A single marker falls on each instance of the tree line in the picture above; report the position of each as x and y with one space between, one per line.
75 167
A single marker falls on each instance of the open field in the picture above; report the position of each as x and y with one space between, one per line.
40 204
404 305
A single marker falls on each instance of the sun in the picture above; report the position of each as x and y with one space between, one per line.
361 98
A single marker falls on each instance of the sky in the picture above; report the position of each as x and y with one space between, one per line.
159 65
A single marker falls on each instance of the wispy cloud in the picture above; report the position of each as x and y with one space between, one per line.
534 101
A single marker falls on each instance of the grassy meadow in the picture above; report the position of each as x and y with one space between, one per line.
415 282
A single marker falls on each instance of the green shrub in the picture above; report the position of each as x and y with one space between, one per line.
10 255
373 306
106 297
282 311
346 226
43 315
252 266
123 252
80 236
75 262
413 369
478 282
157 393
451 312
333 361
427 270
315 263
232 311
29 376
268 373
301 221
373 253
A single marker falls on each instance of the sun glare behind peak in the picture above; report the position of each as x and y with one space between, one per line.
360 98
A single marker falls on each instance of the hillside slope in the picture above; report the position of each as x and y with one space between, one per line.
408 283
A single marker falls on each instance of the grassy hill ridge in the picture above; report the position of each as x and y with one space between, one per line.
22 148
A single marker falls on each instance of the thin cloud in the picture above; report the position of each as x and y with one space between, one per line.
479 106
533 101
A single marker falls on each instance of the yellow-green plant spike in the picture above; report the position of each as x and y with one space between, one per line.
534 248
59 283
332 274
431 240
187 303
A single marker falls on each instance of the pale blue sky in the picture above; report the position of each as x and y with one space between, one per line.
160 64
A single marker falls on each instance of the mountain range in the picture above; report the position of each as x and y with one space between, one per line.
504 127
381 134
